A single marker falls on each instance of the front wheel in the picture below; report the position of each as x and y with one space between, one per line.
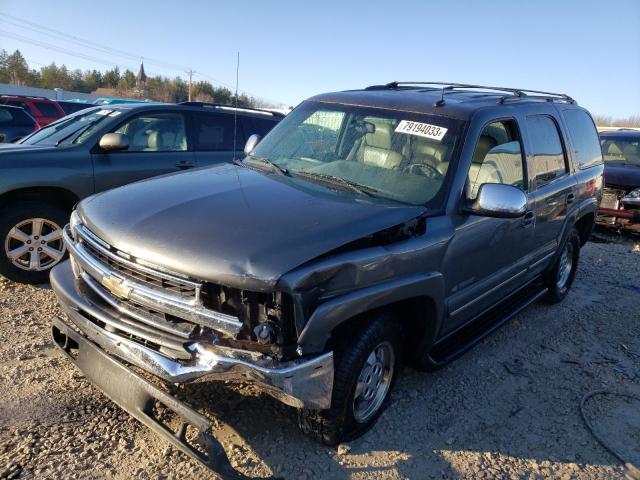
366 365
561 275
31 241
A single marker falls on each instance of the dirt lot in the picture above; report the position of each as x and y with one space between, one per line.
507 409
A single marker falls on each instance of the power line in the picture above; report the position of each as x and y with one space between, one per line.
84 42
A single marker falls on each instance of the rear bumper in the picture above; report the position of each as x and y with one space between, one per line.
300 383
139 398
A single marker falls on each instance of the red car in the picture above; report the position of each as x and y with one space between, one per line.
43 110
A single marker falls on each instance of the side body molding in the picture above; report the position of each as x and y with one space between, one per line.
333 312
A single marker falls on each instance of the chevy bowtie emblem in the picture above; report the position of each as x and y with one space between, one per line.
115 285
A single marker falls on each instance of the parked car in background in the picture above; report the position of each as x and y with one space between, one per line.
620 207
44 175
397 222
73 107
15 123
43 110
115 100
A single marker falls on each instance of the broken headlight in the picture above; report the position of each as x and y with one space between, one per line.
633 197
74 221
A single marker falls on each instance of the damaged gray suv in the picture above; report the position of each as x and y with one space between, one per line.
397 224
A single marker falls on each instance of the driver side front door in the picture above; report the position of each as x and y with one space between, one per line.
158 144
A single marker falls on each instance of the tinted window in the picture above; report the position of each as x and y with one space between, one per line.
47 109
548 155
156 132
261 126
72 107
214 132
584 138
16 103
16 117
621 150
497 158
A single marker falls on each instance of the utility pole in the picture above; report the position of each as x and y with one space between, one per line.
190 73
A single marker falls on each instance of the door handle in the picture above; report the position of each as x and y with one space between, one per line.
570 198
184 165
527 219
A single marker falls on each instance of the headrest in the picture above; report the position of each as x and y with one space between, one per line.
485 143
381 137
614 149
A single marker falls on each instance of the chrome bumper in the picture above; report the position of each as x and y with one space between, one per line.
300 383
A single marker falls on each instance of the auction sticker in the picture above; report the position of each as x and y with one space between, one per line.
421 129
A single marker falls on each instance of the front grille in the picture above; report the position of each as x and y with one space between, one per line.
147 278
611 198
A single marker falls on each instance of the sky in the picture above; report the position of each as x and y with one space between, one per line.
291 50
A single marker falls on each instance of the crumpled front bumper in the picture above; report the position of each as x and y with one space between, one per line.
300 383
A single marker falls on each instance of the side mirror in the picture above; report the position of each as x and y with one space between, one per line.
252 142
500 201
113 142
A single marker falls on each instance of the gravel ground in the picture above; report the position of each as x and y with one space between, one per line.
507 409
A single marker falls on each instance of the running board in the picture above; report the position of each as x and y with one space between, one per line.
466 337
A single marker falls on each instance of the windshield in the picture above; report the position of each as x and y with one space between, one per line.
74 128
396 155
621 150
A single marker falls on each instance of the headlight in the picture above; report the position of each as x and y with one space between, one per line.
632 197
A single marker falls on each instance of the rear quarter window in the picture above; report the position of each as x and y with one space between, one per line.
584 138
47 109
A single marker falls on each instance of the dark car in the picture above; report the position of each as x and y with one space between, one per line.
15 123
73 107
46 173
399 222
620 207
43 110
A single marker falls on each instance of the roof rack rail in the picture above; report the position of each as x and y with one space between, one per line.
517 92
24 96
231 107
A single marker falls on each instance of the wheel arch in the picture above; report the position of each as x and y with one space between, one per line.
416 300
58 196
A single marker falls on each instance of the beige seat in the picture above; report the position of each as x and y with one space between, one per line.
375 148
485 143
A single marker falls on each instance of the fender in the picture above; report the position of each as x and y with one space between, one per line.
589 205
333 312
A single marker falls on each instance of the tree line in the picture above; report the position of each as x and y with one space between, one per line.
15 70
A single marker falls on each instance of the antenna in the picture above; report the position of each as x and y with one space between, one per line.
235 113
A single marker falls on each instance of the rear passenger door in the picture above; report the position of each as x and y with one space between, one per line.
215 135
158 144
553 188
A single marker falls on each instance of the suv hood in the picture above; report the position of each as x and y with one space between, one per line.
621 176
232 225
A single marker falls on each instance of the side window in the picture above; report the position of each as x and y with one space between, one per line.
47 109
584 138
214 132
497 158
155 132
16 103
261 126
548 155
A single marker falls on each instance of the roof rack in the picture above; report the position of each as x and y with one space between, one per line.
24 96
517 93
230 107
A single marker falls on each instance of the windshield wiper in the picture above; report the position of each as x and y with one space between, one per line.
355 186
276 167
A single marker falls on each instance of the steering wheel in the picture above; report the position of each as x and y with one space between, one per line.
424 169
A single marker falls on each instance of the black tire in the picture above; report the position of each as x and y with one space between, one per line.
15 214
558 289
338 423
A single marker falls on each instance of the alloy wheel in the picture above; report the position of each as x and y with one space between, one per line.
566 265
35 244
374 382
